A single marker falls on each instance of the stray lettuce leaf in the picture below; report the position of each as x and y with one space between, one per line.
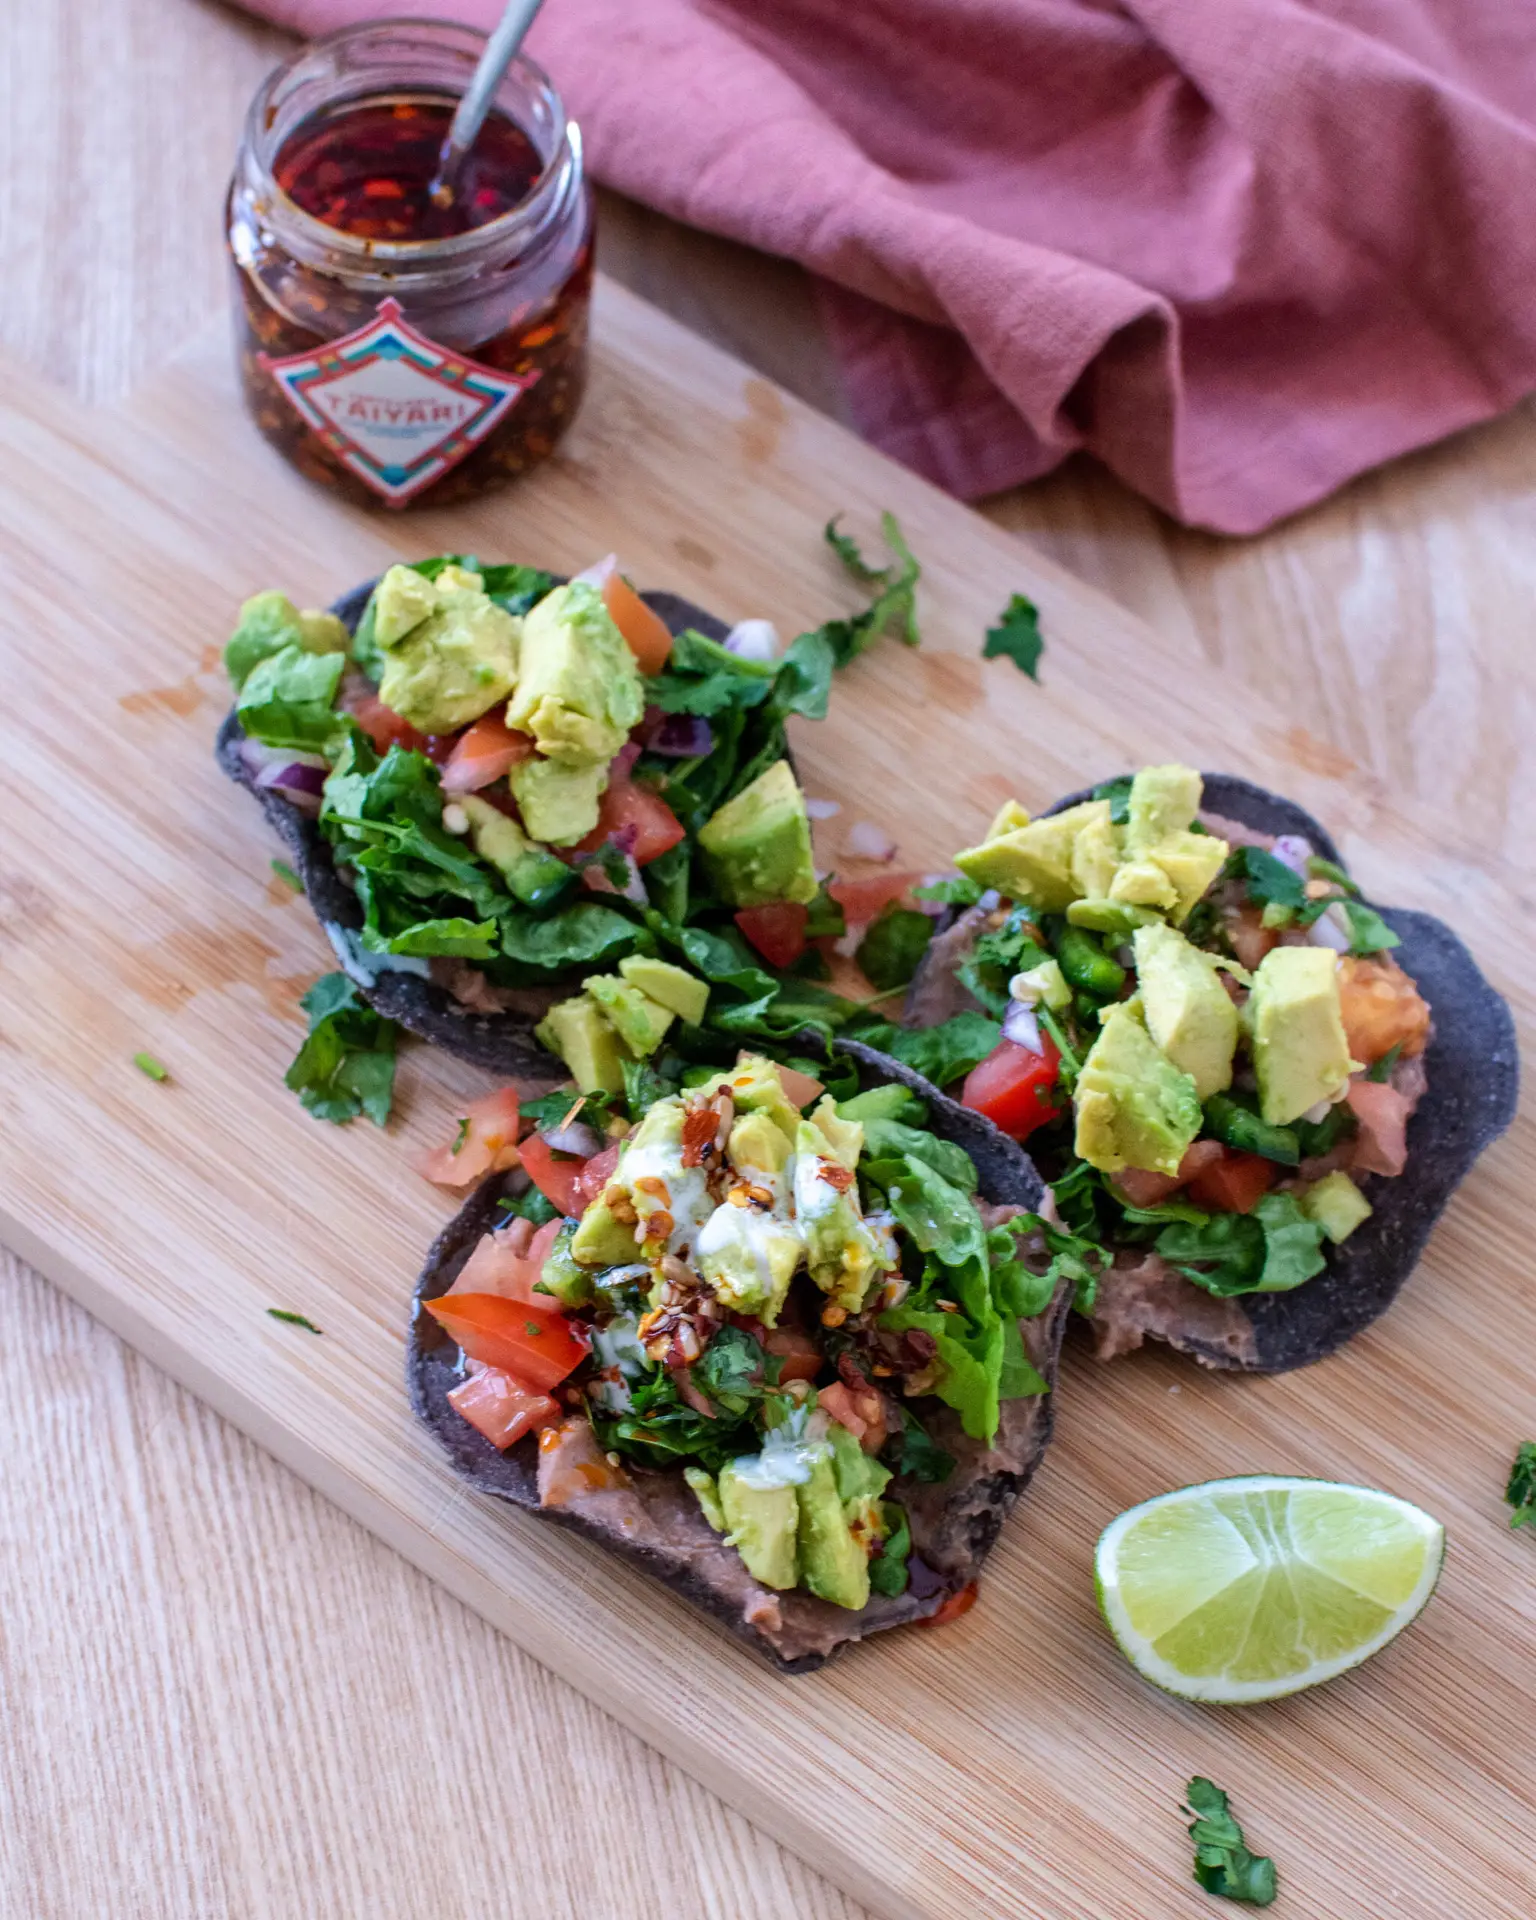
941 1219
1017 1379
893 1140
286 874
1271 1250
583 935
1223 1864
1017 1289
1016 636
288 699
467 939
346 1066
292 1319
1520 1491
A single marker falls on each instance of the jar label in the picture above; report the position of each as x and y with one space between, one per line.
397 408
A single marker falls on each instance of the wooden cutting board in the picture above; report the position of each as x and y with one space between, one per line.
1010 1764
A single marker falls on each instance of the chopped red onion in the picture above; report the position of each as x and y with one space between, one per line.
623 760
866 841
680 736
1293 850
598 574
298 777
1022 1028
823 809
578 1139
754 640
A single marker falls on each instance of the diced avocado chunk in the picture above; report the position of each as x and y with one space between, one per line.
844 1137
675 988
401 601
757 1145
833 1564
1189 1013
444 668
757 847
755 1087
1042 985
890 1102
1296 1023
533 875
579 690
842 1254
558 800
1337 1205
1163 801
1034 863
269 622
576 1030
640 1022
568 1281
1135 1108
603 1240
748 1259
1191 861
1009 817
1095 856
763 1519
1142 883
861 1480
708 1497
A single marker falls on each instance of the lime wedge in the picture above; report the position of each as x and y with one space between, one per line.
1250 1589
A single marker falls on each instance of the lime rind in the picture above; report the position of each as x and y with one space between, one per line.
1244 1590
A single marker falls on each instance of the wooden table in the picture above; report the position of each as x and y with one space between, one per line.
222 1696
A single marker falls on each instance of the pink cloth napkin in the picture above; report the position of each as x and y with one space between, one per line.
1240 250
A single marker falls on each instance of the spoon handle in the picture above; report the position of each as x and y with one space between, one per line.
490 70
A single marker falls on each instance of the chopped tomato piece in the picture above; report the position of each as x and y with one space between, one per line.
485 1142
657 827
776 930
1382 1143
649 637
1013 1085
509 1261
797 1353
1233 1183
483 753
953 1607
799 1087
862 1412
565 1180
382 724
865 900
535 1342
1144 1189
1250 938
1382 1008
500 1406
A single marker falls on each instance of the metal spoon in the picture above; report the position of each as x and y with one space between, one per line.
490 70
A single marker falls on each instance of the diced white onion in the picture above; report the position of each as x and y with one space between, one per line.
866 841
823 809
597 575
1293 850
1022 1028
754 640
1332 930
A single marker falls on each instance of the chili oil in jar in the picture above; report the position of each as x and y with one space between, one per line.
394 349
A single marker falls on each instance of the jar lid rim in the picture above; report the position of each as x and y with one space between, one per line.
404 254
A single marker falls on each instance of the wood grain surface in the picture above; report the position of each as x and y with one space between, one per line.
1388 627
1038 1772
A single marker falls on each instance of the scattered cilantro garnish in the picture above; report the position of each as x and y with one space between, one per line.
1521 1490
1016 636
1383 1067
286 874
957 890
892 949
531 1205
1118 793
895 605
1321 869
1223 1864
292 1319
347 1064
1368 932
912 1451
148 1064
461 1136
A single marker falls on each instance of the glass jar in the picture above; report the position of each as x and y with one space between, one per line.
393 348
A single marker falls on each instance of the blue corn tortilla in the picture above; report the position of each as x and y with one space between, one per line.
1473 1072
502 1043
954 1522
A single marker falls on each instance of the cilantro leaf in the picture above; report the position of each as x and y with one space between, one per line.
286 874
346 1066
1270 883
888 1569
1223 1864
532 1206
1520 1491
292 1319
733 1370
955 890
1118 793
912 1451
1368 932
1016 636
895 604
